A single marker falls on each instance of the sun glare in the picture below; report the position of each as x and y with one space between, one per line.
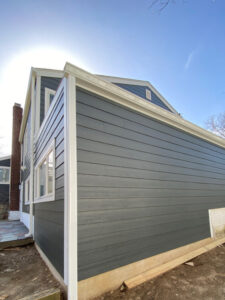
14 79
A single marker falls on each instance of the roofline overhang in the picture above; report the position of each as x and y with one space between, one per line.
100 85
106 89
114 79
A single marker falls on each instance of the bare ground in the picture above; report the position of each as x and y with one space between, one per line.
204 281
23 272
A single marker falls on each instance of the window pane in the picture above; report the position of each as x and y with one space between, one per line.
50 173
42 179
51 97
4 175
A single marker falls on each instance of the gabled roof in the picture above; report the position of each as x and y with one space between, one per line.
113 79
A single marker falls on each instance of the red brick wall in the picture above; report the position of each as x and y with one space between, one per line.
15 159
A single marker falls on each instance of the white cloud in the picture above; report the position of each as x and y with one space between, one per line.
14 79
189 59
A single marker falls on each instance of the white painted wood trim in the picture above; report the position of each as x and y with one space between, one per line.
37 104
70 253
110 91
31 197
48 92
25 218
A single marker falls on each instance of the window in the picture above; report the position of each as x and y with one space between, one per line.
148 94
49 96
27 190
45 177
4 175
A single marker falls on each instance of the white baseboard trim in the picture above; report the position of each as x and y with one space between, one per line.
52 269
14 215
25 219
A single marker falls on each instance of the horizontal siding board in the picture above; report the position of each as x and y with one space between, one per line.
138 119
164 173
51 243
143 187
5 162
94 135
49 216
145 138
123 237
110 204
120 253
141 183
142 156
57 112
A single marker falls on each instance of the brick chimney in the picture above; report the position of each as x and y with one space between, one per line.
14 198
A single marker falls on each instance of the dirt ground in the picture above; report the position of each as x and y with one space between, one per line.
22 273
205 280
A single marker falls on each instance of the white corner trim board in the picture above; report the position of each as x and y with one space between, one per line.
70 188
14 215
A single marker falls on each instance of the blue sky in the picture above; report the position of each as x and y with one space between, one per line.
181 50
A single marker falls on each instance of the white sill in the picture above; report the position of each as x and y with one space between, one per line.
45 198
27 203
6 183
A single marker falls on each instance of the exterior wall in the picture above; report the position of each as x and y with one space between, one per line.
4 193
49 216
51 83
26 154
143 187
140 91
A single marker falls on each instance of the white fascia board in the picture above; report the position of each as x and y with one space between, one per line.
26 107
108 90
49 72
141 83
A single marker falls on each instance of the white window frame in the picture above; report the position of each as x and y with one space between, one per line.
48 92
25 144
8 168
26 193
48 197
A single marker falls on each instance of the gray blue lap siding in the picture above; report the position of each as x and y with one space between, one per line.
49 216
143 187
140 91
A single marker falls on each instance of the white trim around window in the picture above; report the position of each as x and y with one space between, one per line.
4 175
48 94
44 176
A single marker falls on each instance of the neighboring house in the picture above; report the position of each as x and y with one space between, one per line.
111 175
4 186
